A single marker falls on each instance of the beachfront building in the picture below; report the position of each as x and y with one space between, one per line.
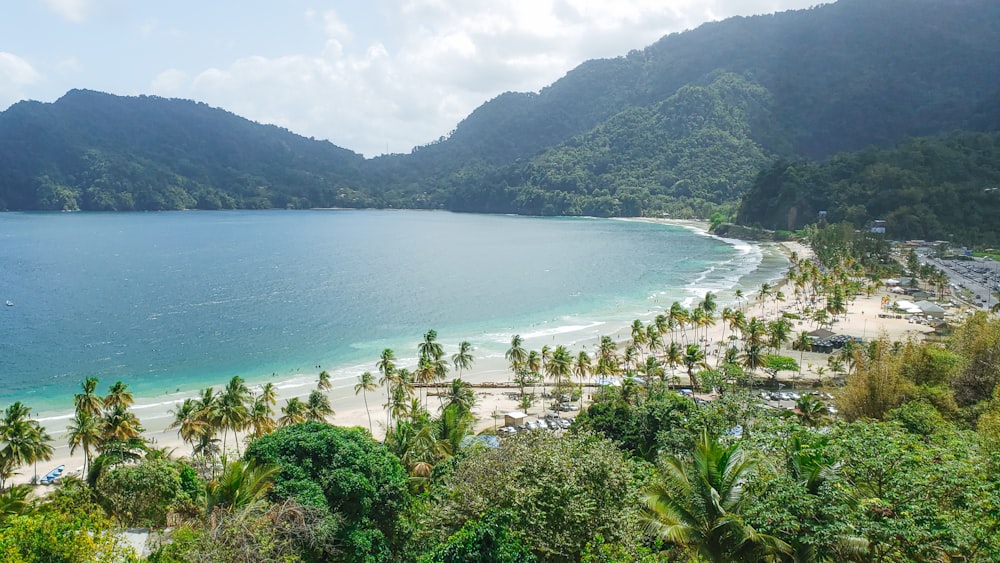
514 419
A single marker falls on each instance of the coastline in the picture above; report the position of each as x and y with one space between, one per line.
350 408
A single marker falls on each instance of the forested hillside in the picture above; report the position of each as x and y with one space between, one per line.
928 188
94 151
680 127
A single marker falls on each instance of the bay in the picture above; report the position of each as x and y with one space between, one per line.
171 302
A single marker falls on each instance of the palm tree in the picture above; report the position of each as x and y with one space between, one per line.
318 407
366 383
516 354
674 356
708 304
189 422
269 394
84 431
430 347
119 425
89 401
607 357
241 484
696 505
460 397
559 366
425 374
463 359
581 367
387 368
293 412
694 357
39 440
323 384
802 343
233 411
15 501
812 411
118 395
261 417
639 334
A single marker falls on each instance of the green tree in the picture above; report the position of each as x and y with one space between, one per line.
140 495
366 384
318 407
118 396
88 401
293 412
463 359
488 540
560 491
240 484
348 473
696 504
233 412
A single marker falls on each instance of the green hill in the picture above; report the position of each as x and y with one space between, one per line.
682 127
930 188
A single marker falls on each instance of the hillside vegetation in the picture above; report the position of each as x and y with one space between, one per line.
929 188
682 127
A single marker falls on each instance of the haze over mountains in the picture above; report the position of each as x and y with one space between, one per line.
683 126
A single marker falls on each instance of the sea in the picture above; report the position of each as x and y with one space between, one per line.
173 302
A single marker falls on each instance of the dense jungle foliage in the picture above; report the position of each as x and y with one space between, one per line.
680 127
932 188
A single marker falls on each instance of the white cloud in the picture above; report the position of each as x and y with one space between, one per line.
169 83
72 10
15 74
443 59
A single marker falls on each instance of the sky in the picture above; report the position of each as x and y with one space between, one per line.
372 76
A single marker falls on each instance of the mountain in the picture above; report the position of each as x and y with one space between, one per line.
683 126
94 151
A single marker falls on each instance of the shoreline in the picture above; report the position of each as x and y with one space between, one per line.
350 409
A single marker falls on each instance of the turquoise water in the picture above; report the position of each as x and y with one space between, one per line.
171 302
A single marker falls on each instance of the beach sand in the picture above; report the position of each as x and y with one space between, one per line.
862 320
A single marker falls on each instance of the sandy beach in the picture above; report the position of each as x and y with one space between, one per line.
862 320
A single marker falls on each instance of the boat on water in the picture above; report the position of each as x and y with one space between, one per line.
10 303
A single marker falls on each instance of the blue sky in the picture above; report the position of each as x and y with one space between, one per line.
371 76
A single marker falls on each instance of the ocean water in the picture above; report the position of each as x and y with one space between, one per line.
172 302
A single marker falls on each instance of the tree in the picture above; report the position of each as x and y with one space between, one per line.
463 359
559 366
488 540
696 504
241 484
189 421
348 473
694 357
366 384
118 396
560 491
293 412
812 411
581 367
88 401
773 364
323 383
261 417
318 407
83 431
516 355
141 494
802 343
232 410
